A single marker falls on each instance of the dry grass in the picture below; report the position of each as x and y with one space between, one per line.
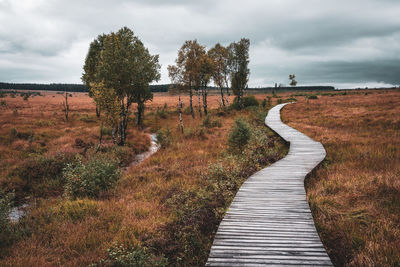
355 194
140 211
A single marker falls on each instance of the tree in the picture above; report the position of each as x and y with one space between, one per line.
204 76
185 72
239 68
92 61
292 77
66 105
122 72
147 71
219 57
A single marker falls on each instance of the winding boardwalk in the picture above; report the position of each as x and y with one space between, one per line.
269 221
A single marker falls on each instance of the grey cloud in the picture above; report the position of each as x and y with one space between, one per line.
321 41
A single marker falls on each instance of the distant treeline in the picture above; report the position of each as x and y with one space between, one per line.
292 88
154 88
64 87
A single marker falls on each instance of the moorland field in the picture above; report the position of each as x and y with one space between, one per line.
166 210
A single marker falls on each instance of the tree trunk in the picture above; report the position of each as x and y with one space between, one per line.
100 137
191 101
140 110
114 135
222 97
180 113
66 106
198 92
123 124
98 111
205 99
227 93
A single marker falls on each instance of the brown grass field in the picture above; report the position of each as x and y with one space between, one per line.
154 205
355 194
172 202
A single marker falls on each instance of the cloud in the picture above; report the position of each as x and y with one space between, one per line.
342 42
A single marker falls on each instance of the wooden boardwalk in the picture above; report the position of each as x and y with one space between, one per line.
269 221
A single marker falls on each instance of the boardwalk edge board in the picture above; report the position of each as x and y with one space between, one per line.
269 221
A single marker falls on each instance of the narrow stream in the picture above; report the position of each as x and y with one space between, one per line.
18 212
154 147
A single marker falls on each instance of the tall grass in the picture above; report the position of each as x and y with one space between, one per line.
355 194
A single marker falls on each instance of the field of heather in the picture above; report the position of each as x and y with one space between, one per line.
165 211
162 211
355 194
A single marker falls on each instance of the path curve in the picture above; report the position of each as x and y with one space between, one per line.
269 221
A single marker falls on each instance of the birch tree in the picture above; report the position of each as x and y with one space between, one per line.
219 56
204 76
92 62
187 65
124 68
240 70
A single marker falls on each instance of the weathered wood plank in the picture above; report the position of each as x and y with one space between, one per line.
269 221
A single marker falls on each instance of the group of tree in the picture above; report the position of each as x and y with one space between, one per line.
117 72
196 67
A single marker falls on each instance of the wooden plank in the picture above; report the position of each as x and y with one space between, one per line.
269 221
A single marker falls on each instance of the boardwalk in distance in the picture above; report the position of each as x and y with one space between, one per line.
269 221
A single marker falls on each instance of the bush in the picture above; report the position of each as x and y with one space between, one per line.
42 175
5 225
92 178
3 103
164 137
264 103
247 101
312 97
197 132
162 113
119 256
187 111
75 210
239 135
106 131
87 118
124 154
209 123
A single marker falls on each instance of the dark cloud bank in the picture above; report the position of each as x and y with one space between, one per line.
342 43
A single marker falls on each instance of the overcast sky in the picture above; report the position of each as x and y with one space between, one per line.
345 43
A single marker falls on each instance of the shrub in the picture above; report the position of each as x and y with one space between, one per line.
312 97
247 101
106 131
161 113
42 175
87 118
119 256
164 137
197 132
124 154
239 135
209 123
264 103
75 210
186 111
5 225
92 178
3 103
